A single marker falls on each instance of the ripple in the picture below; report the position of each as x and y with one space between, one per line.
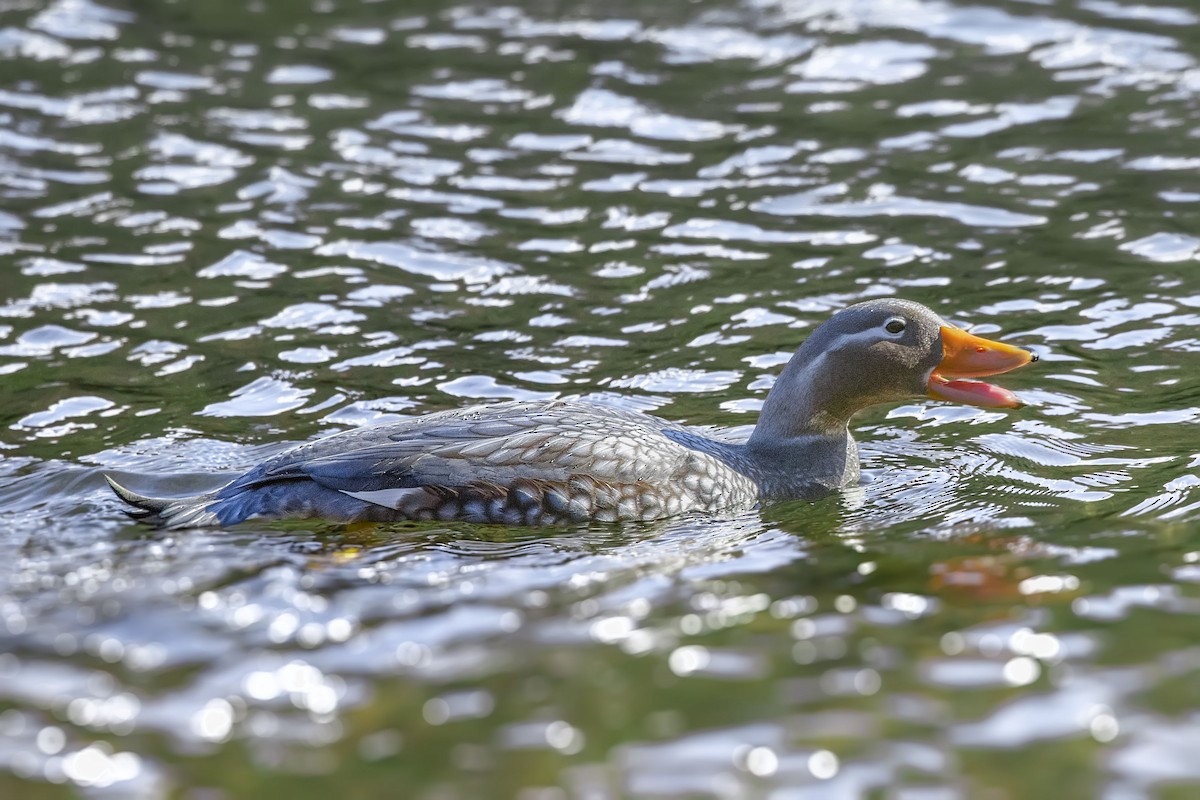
724 230
80 19
1164 247
883 202
1009 115
242 264
19 141
63 410
27 44
603 108
299 74
482 90
447 267
44 340
180 81
312 316
677 380
849 67
263 397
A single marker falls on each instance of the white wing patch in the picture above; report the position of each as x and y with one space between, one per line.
390 498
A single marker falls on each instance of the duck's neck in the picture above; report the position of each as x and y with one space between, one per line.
805 467
802 445
809 399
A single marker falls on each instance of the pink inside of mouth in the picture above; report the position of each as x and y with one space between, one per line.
973 393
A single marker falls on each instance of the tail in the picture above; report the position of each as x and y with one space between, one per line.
176 512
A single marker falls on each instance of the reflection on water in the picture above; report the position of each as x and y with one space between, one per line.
230 227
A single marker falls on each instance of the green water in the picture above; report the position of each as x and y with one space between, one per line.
229 227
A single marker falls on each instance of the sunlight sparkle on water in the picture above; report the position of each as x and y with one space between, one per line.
458 706
759 761
688 659
564 737
823 764
95 766
214 721
1103 725
1042 646
1021 671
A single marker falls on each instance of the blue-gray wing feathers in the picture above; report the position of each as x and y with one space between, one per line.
513 462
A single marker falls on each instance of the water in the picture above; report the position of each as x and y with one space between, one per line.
230 227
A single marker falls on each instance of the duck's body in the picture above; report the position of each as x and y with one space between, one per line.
512 463
545 463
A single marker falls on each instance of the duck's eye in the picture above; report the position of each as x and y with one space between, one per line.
894 326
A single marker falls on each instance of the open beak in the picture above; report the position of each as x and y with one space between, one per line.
967 356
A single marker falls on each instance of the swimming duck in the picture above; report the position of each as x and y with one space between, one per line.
541 463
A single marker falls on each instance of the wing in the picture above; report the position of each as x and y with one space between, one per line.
566 449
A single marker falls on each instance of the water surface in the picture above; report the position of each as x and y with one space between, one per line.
229 227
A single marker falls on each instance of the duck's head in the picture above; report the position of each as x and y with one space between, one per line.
884 351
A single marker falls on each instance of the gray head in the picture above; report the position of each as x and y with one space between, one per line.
881 351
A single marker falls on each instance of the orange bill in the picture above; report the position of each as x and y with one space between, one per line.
966 356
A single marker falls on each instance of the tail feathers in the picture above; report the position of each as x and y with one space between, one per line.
181 512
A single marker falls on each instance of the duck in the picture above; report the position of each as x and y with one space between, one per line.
571 461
